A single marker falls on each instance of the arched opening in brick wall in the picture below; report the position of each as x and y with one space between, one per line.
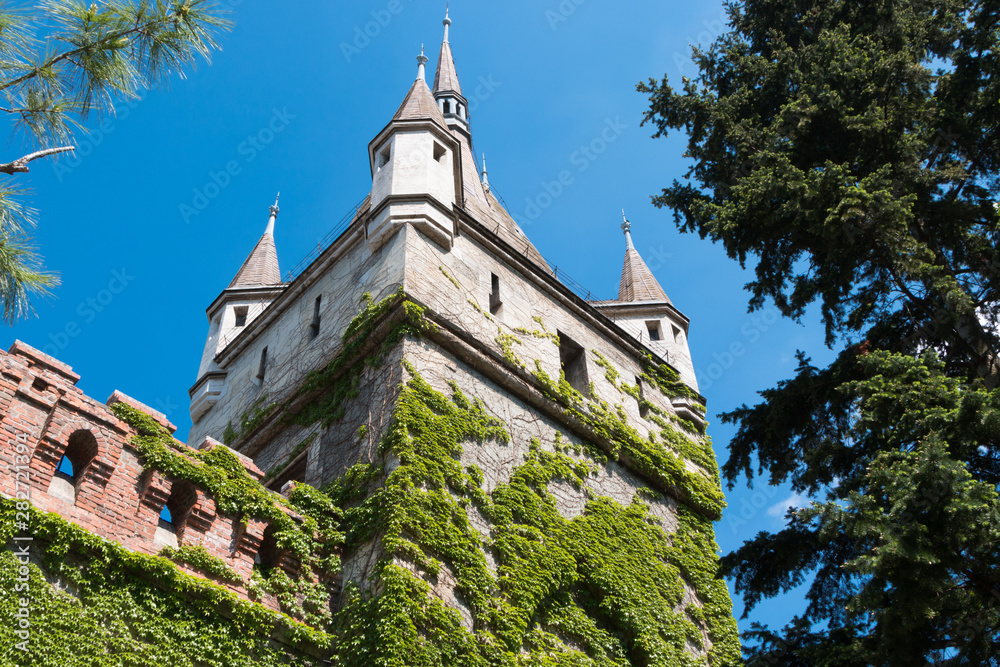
170 528
267 556
81 450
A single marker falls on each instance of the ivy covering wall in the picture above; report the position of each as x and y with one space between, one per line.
608 587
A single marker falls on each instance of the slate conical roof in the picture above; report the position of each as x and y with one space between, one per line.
261 268
446 78
419 104
638 283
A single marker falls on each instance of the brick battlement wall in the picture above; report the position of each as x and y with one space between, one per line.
109 494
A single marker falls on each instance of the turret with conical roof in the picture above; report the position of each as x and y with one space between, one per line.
447 89
256 285
644 310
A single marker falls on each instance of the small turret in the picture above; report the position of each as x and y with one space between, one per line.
416 170
644 310
256 285
447 89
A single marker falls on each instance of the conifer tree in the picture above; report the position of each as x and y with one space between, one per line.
61 60
850 151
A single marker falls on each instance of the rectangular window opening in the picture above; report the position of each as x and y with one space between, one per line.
643 403
496 303
653 328
383 157
295 472
573 360
241 315
262 369
439 152
314 326
677 334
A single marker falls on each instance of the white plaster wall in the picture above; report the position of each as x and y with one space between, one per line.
415 171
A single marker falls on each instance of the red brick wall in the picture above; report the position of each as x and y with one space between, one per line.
41 408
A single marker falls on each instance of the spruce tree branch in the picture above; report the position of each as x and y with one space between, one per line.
20 166
981 584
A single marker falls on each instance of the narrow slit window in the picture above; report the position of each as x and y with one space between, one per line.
573 360
241 315
496 303
677 333
643 403
314 326
383 156
262 369
447 107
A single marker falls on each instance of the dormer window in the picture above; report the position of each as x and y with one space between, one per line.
241 315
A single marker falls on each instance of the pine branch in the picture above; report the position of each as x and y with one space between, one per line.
20 166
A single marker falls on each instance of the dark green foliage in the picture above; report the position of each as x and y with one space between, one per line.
851 150
125 608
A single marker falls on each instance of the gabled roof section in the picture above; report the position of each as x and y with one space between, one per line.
419 104
261 268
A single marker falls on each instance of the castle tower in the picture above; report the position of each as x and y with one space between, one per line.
256 285
433 452
515 454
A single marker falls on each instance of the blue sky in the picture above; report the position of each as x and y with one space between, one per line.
162 202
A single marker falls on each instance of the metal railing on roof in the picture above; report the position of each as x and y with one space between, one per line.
331 237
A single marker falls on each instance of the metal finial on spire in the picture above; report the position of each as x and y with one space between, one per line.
447 20
422 65
486 177
627 228
274 216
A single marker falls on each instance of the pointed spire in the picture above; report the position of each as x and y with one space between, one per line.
486 176
446 78
274 216
261 268
638 283
447 20
421 65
